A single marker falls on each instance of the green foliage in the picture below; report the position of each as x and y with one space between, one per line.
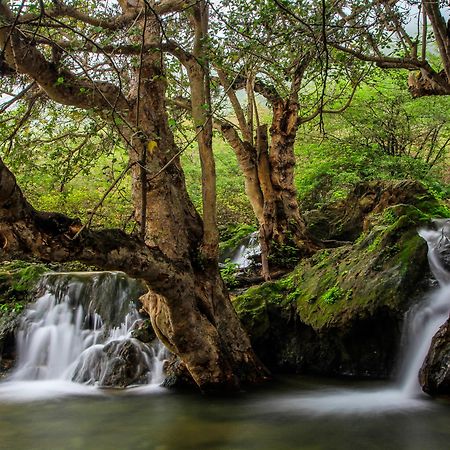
383 135
17 280
65 160
332 295
228 272
284 255
232 203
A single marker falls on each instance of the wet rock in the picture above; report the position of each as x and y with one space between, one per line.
127 363
435 373
143 331
443 248
177 375
118 364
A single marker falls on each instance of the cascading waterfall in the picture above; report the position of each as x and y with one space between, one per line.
81 330
425 320
245 253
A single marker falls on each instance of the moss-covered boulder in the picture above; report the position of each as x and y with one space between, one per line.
340 311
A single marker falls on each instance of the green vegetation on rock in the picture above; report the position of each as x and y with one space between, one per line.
380 270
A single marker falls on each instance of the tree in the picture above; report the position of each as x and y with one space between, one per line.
111 61
298 85
380 32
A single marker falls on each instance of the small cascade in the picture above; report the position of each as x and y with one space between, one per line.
424 321
81 328
244 254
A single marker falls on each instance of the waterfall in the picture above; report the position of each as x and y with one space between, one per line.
244 254
81 329
422 323
424 320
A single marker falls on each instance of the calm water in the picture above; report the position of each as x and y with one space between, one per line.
293 413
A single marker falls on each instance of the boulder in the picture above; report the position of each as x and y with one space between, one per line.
434 375
118 364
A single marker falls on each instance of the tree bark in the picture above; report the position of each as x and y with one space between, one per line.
268 170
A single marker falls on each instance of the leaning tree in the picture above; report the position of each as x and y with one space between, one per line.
110 60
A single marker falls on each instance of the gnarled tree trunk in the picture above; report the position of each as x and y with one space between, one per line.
268 169
268 164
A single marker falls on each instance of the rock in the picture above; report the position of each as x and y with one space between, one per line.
118 364
127 363
346 219
340 312
434 375
177 376
143 331
443 249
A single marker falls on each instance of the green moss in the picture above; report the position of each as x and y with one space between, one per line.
18 278
332 295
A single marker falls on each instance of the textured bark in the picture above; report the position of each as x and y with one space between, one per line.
268 165
424 83
268 171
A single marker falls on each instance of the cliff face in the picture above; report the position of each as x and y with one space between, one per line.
340 312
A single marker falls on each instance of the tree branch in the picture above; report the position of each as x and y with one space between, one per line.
50 237
59 84
109 23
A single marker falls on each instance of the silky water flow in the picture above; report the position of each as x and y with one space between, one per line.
421 323
79 333
78 336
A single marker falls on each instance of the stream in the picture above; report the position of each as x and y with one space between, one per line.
77 340
127 420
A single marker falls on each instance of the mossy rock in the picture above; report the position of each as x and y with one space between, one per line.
346 219
347 303
17 280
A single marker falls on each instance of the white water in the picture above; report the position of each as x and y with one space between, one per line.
65 347
244 255
55 340
423 322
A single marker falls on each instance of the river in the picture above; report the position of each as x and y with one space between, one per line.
77 338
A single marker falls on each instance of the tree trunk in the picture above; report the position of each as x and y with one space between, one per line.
195 319
189 304
269 180
282 163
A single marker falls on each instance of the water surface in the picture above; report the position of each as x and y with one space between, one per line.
292 413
